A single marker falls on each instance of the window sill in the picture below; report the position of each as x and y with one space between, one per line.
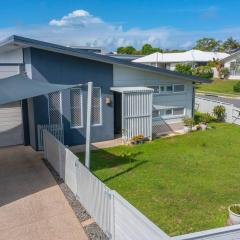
171 93
77 127
167 117
96 125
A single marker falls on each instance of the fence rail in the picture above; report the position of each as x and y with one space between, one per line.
115 215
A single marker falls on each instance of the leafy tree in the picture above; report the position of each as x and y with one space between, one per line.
148 49
208 44
126 50
184 68
230 44
203 72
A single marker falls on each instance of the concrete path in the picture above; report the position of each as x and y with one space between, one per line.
32 206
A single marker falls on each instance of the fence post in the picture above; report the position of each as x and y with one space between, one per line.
112 215
88 128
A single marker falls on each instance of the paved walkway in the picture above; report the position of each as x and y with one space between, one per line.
32 206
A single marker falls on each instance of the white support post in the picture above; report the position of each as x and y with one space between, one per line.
88 126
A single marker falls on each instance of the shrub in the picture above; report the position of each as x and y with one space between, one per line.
136 138
236 87
203 71
203 118
184 68
188 121
219 112
224 72
235 209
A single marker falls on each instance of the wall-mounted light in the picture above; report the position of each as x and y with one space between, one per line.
108 100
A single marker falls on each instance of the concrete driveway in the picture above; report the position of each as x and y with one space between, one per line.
32 206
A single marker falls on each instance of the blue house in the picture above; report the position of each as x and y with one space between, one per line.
47 85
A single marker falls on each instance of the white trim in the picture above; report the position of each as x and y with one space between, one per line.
101 120
81 106
61 111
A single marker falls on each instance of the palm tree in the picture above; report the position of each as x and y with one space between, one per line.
218 64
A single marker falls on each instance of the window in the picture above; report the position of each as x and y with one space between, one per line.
76 107
166 89
96 106
55 108
162 89
178 111
169 88
155 88
155 113
168 112
178 88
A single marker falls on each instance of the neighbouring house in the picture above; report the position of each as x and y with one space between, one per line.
169 60
232 62
44 86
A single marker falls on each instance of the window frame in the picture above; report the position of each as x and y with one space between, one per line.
100 99
178 85
165 87
81 108
61 110
169 116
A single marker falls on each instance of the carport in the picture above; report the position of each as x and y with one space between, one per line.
32 206
13 91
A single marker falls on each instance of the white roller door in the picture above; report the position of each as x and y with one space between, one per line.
11 127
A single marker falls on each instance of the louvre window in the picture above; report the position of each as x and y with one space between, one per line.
168 112
76 107
55 108
178 88
178 111
96 106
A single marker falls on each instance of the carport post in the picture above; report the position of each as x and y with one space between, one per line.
88 127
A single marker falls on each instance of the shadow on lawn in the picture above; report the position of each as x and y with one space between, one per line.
124 171
102 159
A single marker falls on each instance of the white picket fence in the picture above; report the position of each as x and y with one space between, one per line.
206 105
115 215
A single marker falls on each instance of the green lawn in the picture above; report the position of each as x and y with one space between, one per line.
219 86
183 183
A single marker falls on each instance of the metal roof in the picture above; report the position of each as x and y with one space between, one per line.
188 56
17 41
232 56
19 87
131 89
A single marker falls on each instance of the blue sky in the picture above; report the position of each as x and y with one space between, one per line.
168 24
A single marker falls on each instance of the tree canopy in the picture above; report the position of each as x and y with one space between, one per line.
207 44
203 44
145 50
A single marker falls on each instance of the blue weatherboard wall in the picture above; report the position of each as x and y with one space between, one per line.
60 68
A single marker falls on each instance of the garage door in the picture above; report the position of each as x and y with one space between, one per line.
11 127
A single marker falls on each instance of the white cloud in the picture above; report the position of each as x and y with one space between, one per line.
81 28
77 17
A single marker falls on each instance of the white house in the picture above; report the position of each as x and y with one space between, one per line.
169 60
232 62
